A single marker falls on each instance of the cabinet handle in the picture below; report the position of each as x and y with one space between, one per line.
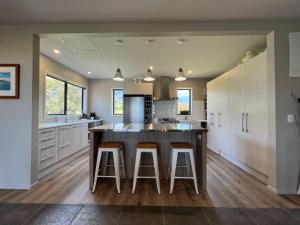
247 116
243 115
47 131
219 119
46 147
50 157
212 119
47 139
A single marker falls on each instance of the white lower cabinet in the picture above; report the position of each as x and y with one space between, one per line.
65 142
237 115
56 144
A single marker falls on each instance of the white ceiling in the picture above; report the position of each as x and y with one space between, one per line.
90 11
206 56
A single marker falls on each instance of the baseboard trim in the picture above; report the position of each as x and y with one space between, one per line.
263 178
271 188
61 163
35 183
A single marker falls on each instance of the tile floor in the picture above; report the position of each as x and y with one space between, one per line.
64 214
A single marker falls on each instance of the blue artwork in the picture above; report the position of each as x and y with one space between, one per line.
5 82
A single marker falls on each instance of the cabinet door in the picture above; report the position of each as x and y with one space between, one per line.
223 113
76 138
212 102
130 88
65 142
237 110
145 88
256 109
84 142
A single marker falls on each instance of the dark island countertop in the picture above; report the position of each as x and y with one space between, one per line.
137 127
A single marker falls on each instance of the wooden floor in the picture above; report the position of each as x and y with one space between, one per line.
228 186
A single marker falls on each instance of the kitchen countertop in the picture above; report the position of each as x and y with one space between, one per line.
137 127
60 124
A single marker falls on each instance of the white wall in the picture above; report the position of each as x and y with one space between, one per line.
100 99
16 46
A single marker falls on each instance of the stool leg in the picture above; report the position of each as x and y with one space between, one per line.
123 164
155 162
173 170
194 171
105 162
187 164
117 168
136 169
97 169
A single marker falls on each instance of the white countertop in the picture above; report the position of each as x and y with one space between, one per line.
61 123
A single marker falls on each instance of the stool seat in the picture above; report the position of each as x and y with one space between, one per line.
111 145
142 145
181 145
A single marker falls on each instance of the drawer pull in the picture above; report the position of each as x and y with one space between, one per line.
46 147
47 131
47 139
46 159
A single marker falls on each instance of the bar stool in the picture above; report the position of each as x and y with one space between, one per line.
146 147
186 148
116 148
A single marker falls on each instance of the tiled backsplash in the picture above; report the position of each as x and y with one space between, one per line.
165 109
168 109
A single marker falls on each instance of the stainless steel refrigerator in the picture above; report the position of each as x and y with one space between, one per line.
134 109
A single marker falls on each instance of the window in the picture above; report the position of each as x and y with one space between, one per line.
55 96
184 102
74 99
63 97
117 101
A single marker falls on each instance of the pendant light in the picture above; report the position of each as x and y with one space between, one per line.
118 76
180 76
149 76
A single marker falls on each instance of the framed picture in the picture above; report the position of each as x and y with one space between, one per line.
9 81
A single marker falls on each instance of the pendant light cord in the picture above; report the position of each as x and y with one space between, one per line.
118 55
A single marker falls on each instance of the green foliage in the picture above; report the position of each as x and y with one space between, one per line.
74 96
55 90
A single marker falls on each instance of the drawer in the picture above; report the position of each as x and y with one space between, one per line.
47 154
47 134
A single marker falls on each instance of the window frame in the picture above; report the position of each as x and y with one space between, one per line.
113 100
56 77
190 100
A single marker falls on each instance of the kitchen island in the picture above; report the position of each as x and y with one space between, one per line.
132 133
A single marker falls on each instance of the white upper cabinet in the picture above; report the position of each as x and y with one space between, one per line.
294 41
134 88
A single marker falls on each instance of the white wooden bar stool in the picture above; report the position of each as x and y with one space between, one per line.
116 148
146 147
186 148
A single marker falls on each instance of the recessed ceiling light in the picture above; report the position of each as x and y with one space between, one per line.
89 72
190 72
180 42
56 51
151 67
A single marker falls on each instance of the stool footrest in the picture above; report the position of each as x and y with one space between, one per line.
186 178
146 177
107 176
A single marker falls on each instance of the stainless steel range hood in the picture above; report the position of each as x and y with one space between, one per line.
161 89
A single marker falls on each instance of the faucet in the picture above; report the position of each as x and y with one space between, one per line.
67 117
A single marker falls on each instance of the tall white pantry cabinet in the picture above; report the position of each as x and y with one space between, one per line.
237 110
